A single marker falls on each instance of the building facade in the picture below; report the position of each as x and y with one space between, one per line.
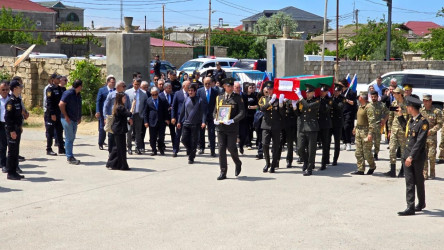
65 13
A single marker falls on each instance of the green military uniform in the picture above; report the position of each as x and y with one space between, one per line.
271 128
365 125
227 132
434 117
381 112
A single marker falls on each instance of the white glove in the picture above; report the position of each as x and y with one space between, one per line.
298 92
229 122
294 104
281 98
273 98
329 94
215 122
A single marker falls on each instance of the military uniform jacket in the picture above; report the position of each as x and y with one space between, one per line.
308 113
381 111
273 114
366 117
434 117
13 115
325 107
290 117
53 96
416 132
237 112
337 110
393 124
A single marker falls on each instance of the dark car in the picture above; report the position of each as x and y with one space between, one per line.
252 64
165 66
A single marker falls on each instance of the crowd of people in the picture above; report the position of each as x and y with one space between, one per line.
238 113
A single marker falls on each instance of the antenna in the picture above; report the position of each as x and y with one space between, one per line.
121 13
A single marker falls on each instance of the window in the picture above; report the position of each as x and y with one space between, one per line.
72 17
232 63
436 82
224 64
207 65
38 23
386 79
417 81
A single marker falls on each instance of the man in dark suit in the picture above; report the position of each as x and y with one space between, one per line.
156 120
208 96
139 96
101 97
350 109
174 82
178 100
167 97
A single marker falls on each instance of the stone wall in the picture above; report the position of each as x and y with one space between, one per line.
175 55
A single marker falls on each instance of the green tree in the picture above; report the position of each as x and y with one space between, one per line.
433 48
311 48
239 44
440 12
16 21
158 32
64 27
92 80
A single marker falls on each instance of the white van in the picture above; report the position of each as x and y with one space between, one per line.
319 58
47 55
203 63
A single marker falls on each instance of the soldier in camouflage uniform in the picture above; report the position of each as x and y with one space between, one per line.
364 130
434 117
381 115
396 132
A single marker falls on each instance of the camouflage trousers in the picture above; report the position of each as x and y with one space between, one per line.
431 156
396 140
441 146
377 139
363 149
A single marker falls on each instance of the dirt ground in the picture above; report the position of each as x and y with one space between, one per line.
86 127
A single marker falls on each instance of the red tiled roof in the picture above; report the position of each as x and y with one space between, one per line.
238 28
421 28
25 5
158 43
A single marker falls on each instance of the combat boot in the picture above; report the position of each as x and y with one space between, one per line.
392 172
375 156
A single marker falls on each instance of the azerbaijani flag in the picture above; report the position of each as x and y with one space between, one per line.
287 86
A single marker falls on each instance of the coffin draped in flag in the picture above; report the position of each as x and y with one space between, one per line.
288 85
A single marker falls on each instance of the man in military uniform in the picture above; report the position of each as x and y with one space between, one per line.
156 66
325 124
219 74
271 126
337 118
52 117
396 132
434 118
381 116
289 129
195 79
364 130
308 110
228 131
416 129
14 122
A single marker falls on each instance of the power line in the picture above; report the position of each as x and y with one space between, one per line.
233 6
139 4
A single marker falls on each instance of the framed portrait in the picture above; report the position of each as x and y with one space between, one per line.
223 113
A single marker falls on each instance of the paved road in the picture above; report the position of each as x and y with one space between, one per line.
164 203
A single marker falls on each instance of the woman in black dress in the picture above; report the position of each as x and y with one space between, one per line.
117 158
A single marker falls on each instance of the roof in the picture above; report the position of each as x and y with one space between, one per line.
25 5
344 32
295 13
420 28
238 28
158 43
57 5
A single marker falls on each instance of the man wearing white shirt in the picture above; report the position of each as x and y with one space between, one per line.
140 97
4 90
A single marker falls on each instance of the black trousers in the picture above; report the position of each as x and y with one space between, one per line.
211 136
137 128
172 129
260 146
325 138
13 152
51 127
349 124
3 144
227 140
307 148
290 137
102 133
267 136
117 157
337 134
111 142
176 142
157 134
143 136
243 133
190 134
414 178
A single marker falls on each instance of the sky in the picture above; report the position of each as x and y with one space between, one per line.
185 12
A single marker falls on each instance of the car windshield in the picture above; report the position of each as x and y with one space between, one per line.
190 66
244 64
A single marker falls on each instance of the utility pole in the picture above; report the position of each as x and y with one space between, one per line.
145 23
357 22
389 30
163 32
337 41
323 37
121 13
209 30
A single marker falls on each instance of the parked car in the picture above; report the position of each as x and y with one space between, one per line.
165 66
46 55
92 57
423 81
319 58
252 64
203 63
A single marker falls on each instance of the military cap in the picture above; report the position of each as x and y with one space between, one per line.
427 97
195 72
217 63
338 87
309 88
269 84
407 86
14 84
54 76
398 90
324 87
229 81
413 101
363 94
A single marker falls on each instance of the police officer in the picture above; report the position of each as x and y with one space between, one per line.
52 116
337 119
325 124
271 126
364 130
156 66
195 79
14 121
219 74
350 108
289 121
414 156
396 132
381 116
308 110
434 117
228 131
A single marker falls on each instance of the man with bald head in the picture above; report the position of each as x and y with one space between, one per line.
208 96
176 108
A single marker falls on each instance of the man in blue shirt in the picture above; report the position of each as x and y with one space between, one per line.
71 108
379 87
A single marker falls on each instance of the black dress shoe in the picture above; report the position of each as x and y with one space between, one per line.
419 207
22 176
304 167
130 152
21 158
307 173
265 169
19 170
440 161
222 176
260 156
241 151
238 170
299 160
62 152
213 154
15 177
174 155
323 167
201 151
190 161
153 153
289 165
335 163
358 173
101 147
370 171
138 151
4 170
50 152
162 152
272 170
408 211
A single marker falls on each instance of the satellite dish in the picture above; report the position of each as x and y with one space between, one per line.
24 55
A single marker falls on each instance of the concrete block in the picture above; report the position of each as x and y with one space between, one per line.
289 56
